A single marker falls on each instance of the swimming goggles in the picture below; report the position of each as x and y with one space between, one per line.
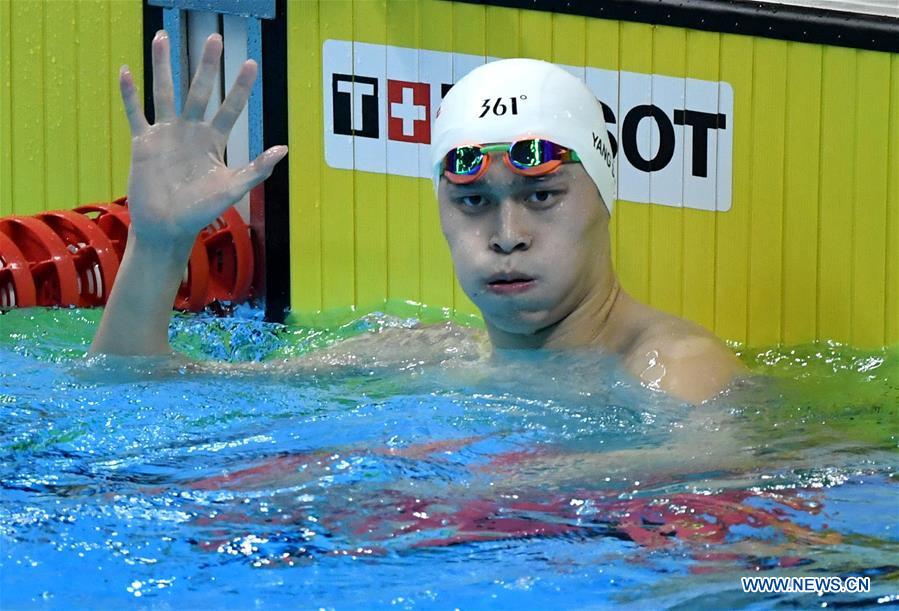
533 157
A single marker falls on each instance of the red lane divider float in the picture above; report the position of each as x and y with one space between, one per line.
230 255
113 219
49 260
16 284
91 251
70 258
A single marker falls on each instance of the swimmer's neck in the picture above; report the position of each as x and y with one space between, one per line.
588 324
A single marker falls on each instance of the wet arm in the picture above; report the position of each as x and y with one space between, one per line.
136 318
178 184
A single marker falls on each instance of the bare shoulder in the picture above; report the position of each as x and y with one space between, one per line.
681 358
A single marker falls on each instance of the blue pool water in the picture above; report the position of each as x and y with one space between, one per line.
405 468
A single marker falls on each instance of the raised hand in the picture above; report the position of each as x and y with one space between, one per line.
179 182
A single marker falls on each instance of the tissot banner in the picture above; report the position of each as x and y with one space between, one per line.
673 137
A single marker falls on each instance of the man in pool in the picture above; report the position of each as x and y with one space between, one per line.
525 183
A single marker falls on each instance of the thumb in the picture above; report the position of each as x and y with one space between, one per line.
256 171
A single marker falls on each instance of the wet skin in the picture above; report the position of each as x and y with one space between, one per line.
178 184
552 234
553 229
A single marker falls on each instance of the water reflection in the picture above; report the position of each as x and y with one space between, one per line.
452 475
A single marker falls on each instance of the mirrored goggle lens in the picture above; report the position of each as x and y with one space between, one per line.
464 160
529 154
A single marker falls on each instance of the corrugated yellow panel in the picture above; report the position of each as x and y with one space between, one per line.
569 39
536 35
732 244
304 47
436 25
837 180
370 25
93 95
666 249
27 93
699 225
766 191
437 278
507 21
870 200
469 35
634 227
892 250
403 204
56 124
61 118
800 217
337 189
5 110
602 50
126 47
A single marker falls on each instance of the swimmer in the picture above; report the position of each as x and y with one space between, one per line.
524 176
525 179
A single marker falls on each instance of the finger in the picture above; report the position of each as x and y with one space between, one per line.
163 90
254 173
136 118
236 100
204 80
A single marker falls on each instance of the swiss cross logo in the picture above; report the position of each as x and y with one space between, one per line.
408 111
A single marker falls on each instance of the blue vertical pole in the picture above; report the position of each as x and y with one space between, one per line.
254 105
176 25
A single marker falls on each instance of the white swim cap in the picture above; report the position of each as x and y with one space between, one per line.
515 99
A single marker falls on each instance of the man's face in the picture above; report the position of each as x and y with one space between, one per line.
550 231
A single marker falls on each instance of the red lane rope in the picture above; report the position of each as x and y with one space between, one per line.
71 258
50 261
16 284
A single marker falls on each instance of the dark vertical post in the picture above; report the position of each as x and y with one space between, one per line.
277 187
152 24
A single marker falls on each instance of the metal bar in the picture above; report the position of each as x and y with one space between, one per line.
259 9
761 19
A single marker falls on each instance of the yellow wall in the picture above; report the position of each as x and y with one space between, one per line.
63 133
809 249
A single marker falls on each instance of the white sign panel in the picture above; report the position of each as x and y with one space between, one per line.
673 136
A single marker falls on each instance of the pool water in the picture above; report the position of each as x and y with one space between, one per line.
384 465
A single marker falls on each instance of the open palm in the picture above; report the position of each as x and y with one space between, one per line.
179 182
